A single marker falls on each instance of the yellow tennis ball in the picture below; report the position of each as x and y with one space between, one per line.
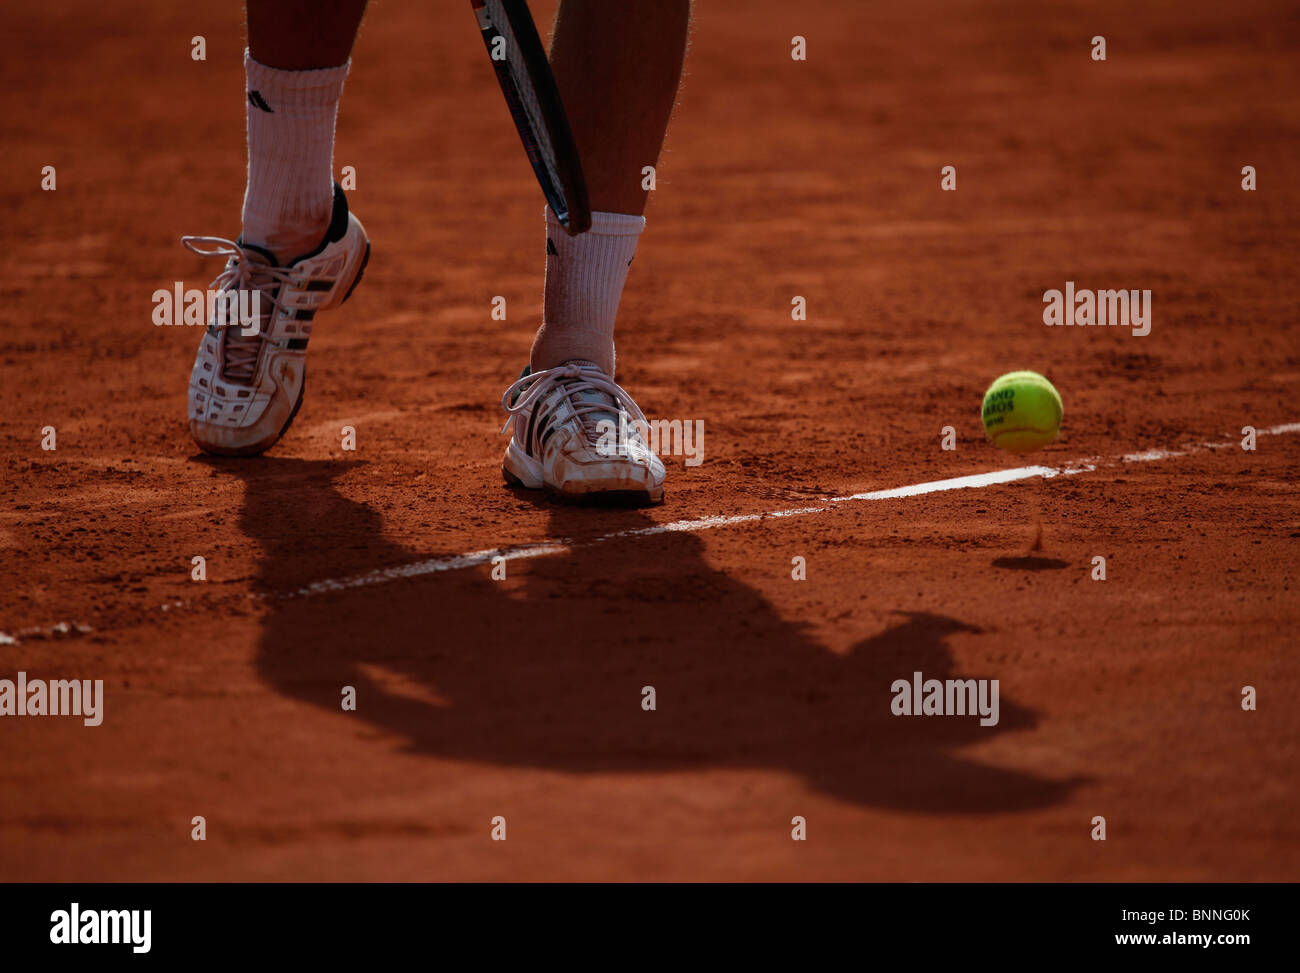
1022 412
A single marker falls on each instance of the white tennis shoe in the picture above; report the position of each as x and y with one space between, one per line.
578 435
245 389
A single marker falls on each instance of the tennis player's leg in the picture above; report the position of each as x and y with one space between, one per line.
576 433
300 249
618 67
297 60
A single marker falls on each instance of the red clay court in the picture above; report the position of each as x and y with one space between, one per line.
522 698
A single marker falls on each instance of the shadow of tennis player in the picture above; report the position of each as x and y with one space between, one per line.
548 670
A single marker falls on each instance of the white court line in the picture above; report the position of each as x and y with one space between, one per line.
546 548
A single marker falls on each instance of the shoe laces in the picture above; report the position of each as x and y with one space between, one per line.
590 392
246 269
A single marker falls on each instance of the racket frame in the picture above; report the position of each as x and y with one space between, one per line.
569 204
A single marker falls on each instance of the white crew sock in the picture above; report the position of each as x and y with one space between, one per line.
290 193
584 283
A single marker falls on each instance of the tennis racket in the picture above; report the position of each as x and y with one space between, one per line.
534 101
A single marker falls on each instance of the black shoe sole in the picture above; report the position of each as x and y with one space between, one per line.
620 499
